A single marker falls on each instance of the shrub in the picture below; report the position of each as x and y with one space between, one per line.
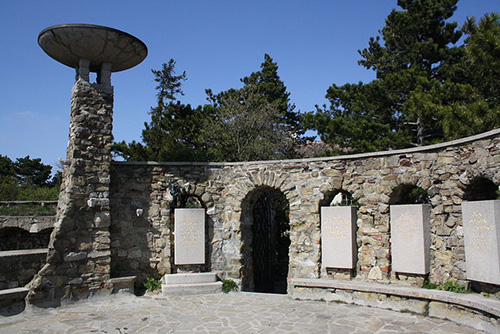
228 285
152 284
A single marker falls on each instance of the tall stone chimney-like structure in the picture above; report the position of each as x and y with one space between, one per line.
79 260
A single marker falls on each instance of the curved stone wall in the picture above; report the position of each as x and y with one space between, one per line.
142 223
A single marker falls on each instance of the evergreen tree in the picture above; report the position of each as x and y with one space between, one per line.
246 127
172 134
412 59
256 122
472 99
32 172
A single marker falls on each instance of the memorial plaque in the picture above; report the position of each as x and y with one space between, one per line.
189 236
338 237
481 221
410 238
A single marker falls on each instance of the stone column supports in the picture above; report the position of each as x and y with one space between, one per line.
78 264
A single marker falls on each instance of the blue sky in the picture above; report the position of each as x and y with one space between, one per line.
216 42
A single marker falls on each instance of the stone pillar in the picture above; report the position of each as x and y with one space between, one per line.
78 264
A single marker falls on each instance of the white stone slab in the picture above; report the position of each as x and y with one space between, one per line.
338 237
410 238
481 221
189 237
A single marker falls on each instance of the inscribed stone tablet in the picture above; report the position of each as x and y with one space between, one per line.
338 239
410 238
481 221
189 236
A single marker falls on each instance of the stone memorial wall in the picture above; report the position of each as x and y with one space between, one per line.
443 171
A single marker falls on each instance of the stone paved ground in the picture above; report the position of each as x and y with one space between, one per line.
221 313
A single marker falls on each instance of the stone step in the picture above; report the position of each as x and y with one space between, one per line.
191 288
189 278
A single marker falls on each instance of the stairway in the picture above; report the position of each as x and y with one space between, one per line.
190 284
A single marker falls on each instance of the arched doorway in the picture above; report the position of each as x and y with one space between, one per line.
267 241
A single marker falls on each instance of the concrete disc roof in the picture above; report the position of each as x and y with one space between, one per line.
68 43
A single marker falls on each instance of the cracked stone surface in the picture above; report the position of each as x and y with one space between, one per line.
239 312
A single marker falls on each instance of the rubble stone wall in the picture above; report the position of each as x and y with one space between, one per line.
78 262
142 219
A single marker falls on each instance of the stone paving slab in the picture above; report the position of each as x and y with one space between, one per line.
239 312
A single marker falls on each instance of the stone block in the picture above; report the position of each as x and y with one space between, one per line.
481 221
338 237
189 237
410 238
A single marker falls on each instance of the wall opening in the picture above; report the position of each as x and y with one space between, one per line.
480 189
13 238
266 241
408 194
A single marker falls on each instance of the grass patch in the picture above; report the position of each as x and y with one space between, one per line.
30 209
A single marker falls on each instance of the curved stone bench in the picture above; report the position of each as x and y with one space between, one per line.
472 310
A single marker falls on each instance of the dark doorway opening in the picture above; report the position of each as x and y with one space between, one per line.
271 241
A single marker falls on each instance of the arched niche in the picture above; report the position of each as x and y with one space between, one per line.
408 194
265 233
410 233
337 197
14 238
480 189
338 216
187 200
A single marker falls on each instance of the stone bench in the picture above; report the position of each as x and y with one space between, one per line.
470 309
12 301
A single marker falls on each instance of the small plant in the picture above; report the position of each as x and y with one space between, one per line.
228 285
453 287
152 284
448 286
429 285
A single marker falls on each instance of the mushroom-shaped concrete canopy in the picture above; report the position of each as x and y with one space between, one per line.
68 43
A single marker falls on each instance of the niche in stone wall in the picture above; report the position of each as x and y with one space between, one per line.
193 232
14 238
410 231
481 222
265 234
338 234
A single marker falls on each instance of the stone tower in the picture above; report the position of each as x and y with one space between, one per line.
78 263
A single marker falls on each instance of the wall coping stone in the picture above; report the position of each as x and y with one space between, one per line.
472 301
13 293
418 149
23 252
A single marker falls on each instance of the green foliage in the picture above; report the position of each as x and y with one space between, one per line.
429 285
32 172
173 132
256 122
38 194
447 286
453 287
26 210
428 89
9 188
246 128
27 179
152 284
229 285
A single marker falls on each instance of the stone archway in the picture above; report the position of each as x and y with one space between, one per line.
266 235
